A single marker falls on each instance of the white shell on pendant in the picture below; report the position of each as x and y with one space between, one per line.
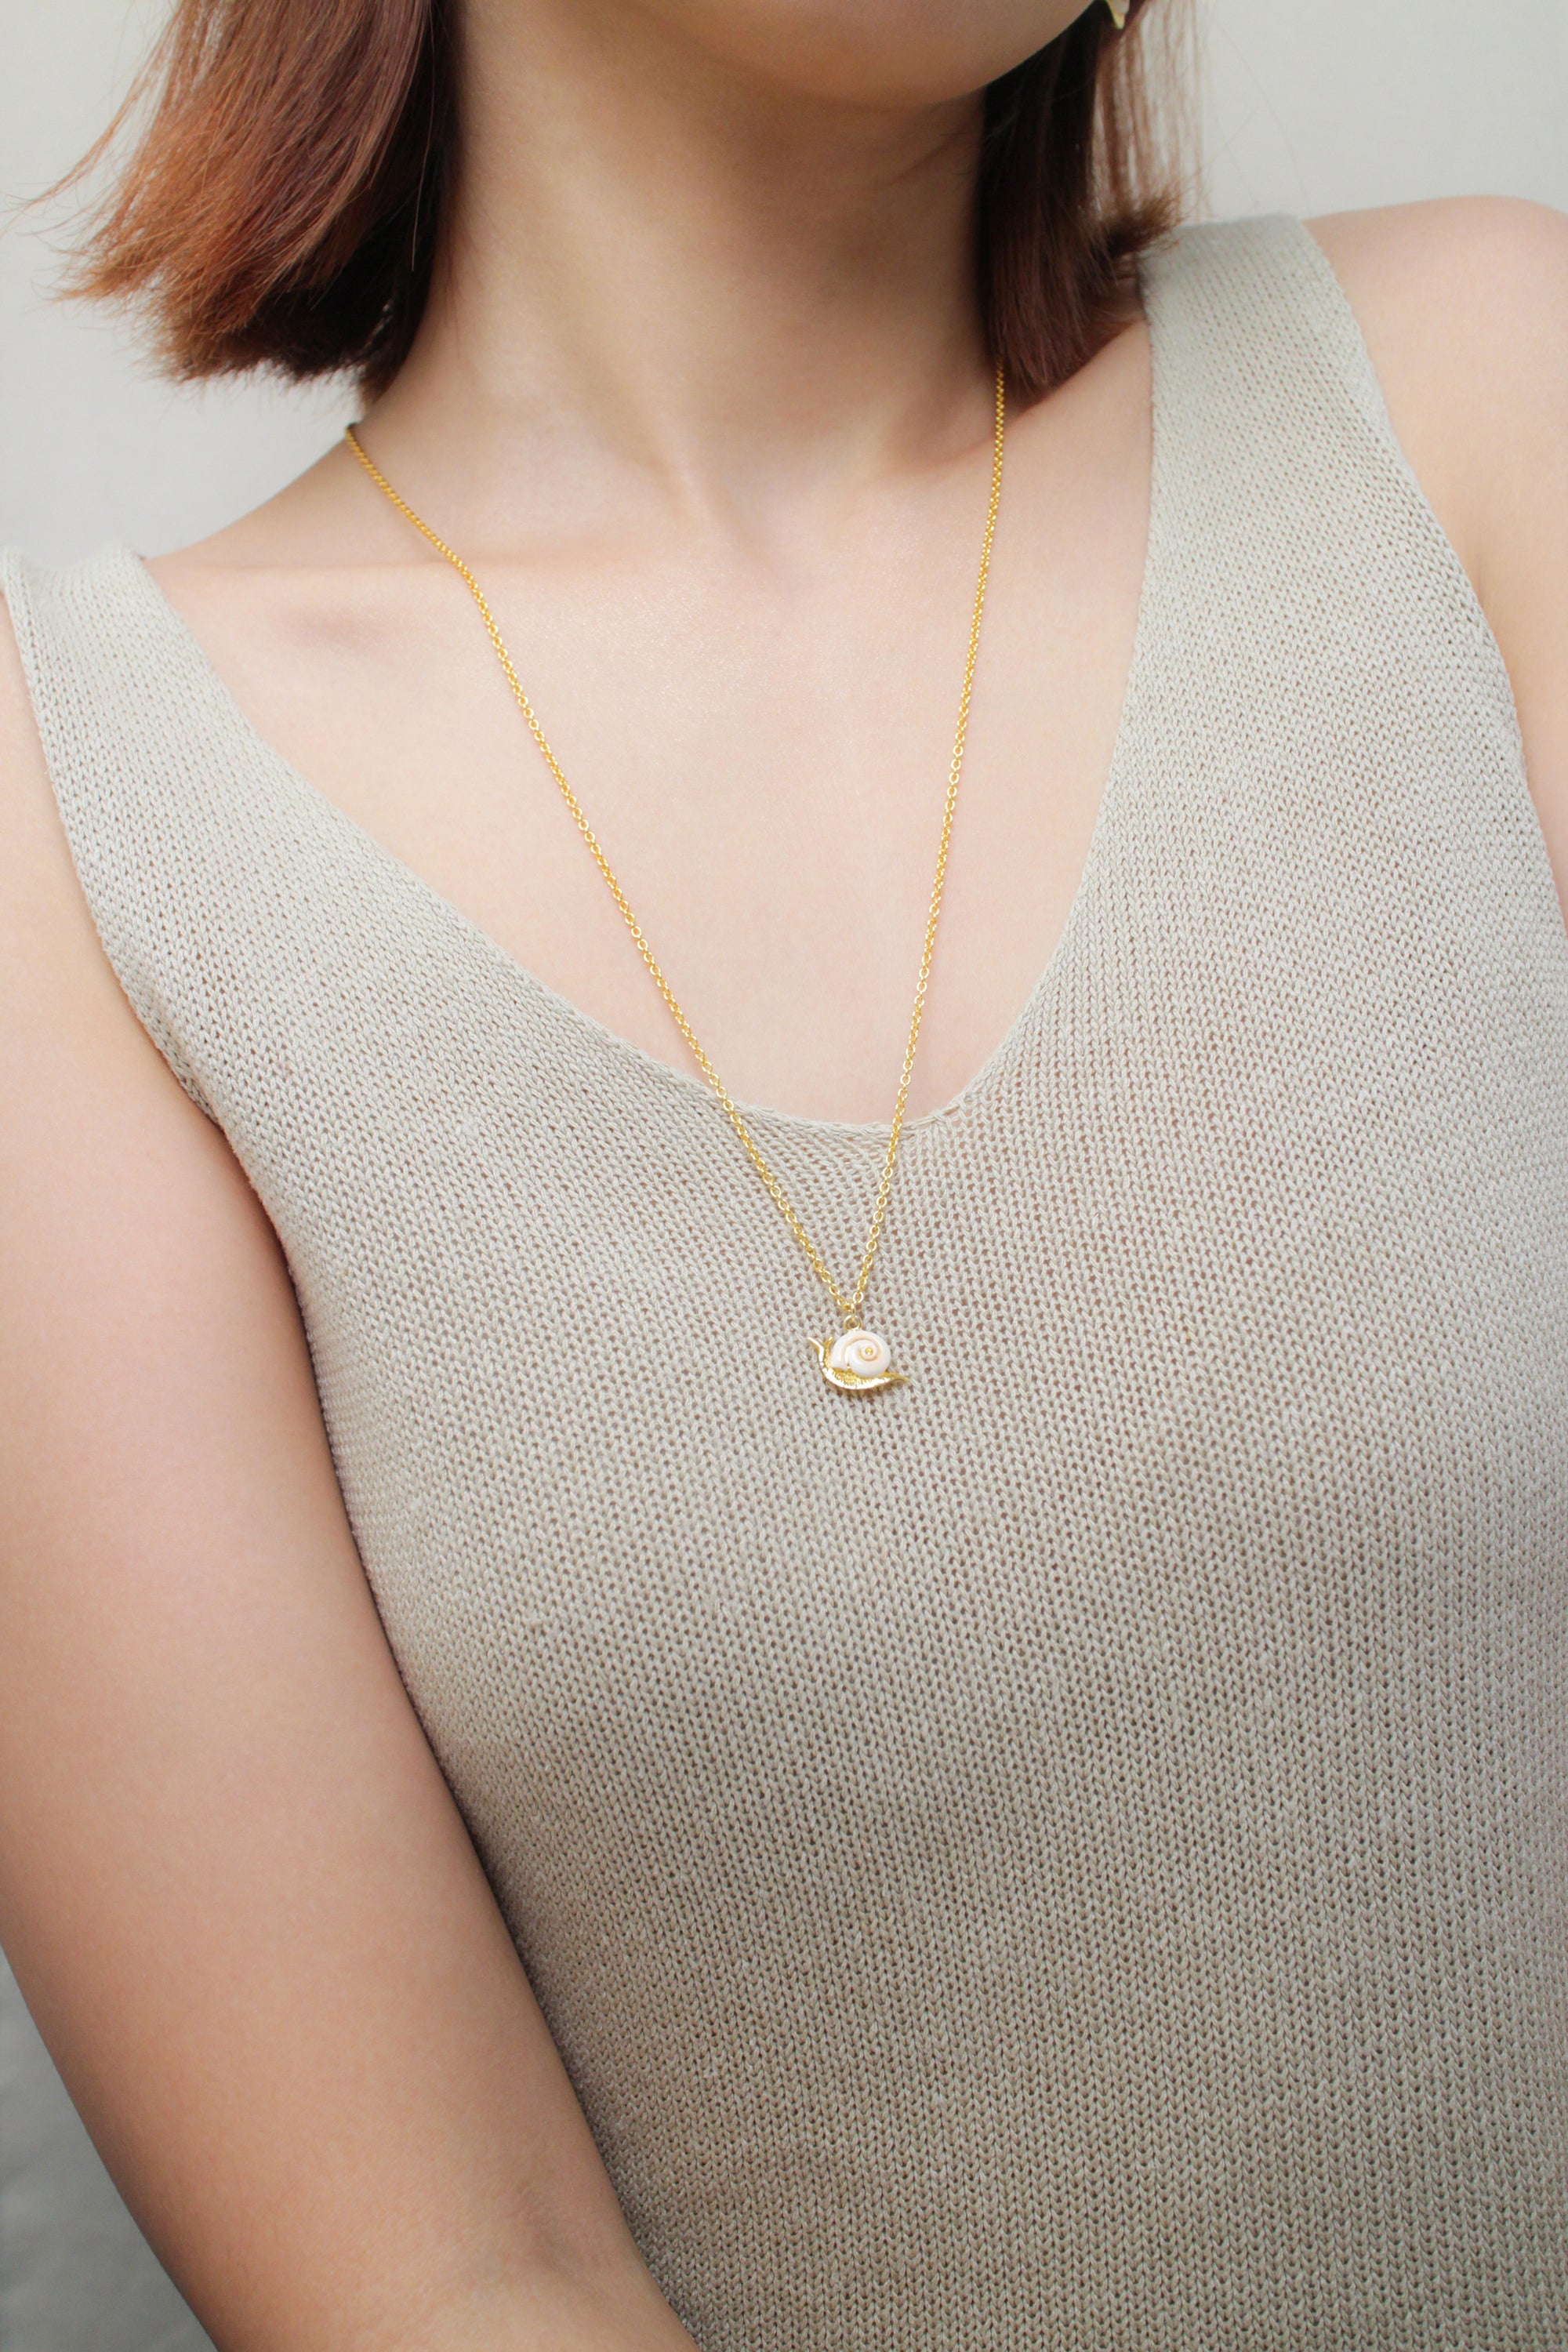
866 1352
859 1360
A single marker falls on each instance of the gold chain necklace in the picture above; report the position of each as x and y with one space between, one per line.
859 1361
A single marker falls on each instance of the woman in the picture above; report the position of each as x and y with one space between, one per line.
532 1818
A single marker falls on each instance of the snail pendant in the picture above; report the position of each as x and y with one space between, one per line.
859 1362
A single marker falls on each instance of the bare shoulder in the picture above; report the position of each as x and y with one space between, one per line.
1503 250
1464 304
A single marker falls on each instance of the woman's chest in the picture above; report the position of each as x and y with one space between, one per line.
761 741
1233 1294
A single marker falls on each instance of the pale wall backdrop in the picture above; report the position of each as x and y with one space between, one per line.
1309 106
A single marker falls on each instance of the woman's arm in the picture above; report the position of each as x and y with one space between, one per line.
1464 309
234 1886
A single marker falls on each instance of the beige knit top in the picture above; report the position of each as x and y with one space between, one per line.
1076 1860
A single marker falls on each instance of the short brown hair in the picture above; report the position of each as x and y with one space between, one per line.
282 202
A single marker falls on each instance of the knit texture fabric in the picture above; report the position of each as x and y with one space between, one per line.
1072 1852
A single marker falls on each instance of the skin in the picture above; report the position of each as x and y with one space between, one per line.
702 395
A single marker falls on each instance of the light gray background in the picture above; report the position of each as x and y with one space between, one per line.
1309 106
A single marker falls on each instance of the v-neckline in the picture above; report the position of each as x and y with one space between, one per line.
199 665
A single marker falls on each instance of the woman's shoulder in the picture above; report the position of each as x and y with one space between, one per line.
1464 306
1486 251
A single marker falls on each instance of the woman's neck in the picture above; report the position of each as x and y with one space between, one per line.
671 281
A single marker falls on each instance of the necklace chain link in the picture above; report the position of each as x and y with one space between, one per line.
848 1304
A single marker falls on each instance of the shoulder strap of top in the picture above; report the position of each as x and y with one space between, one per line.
141 744
1282 486
1258 301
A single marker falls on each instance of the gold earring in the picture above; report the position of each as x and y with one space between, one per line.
1118 14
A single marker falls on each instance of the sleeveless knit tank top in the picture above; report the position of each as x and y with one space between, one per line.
1072 1852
